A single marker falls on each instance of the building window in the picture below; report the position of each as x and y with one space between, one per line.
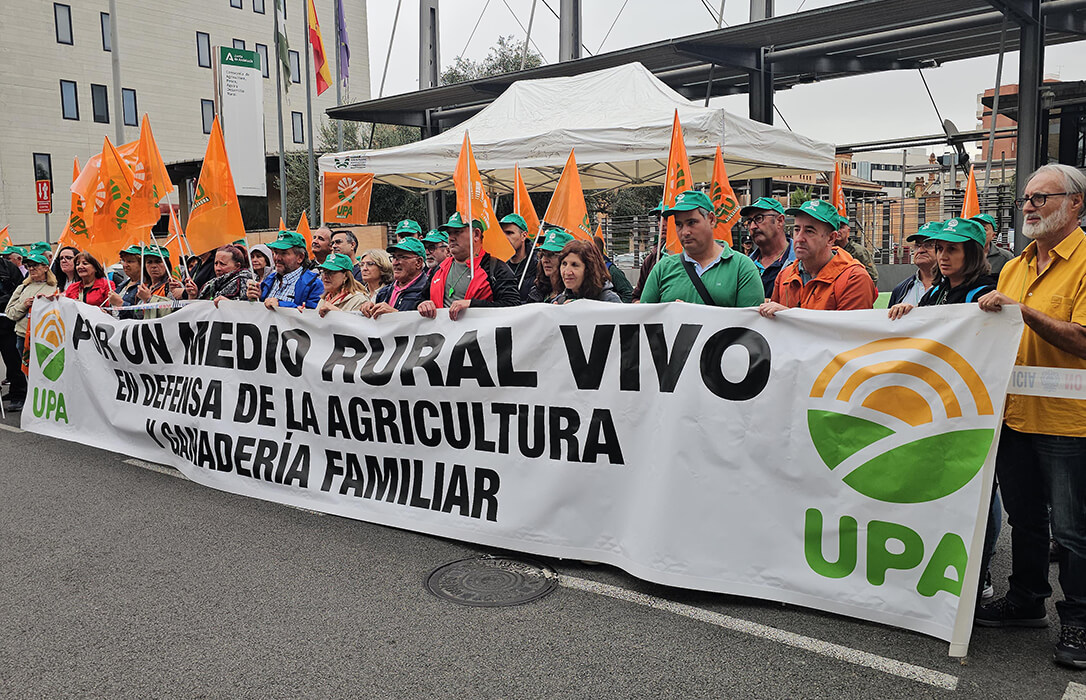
131 114
258 6
239 44
105 31
100 103
43 166
263 52
203 49
69 100
207 113
62 15
296 122
235 3
295 67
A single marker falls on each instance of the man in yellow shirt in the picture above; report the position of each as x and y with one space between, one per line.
1041 462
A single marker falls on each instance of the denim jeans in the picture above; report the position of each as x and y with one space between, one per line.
1036 472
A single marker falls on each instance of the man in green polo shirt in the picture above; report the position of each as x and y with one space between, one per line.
706 272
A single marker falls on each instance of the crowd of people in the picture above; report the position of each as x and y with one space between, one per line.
1041 462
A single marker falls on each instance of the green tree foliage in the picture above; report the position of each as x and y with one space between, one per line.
799 196
504 57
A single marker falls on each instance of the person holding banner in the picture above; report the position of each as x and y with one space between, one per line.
1041 458
410 281
64 266
461 281
773 250
706 272
342 292
124 294
232 276
912 289
91 285
293 285
582 274
523 263
376 266
554 240
437 248
260 261
823 276
39 281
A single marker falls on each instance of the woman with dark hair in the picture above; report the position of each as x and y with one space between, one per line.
963 272
582 274
64 266
232 275
546 271
90 285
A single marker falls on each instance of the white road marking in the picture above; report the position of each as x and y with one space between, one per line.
151 466
815 646
1075 691
11 428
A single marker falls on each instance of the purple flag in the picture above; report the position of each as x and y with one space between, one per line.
344 59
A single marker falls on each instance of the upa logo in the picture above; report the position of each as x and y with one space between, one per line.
903 421
49 335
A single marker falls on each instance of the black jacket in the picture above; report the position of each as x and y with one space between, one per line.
942 293
10 278
529 276
410 298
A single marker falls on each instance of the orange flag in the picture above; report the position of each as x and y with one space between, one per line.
75 232
567 208
320 62
108 211
838 196
305 232
522 203
599 234
725 203
215 219
346 197
971 205
5 238
677 180
152 182
473 202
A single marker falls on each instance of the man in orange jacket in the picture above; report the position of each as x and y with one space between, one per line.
822 277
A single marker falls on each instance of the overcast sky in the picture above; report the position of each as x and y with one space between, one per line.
847 110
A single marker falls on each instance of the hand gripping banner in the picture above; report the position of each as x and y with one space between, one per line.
835 460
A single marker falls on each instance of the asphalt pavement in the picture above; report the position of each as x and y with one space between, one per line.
123 580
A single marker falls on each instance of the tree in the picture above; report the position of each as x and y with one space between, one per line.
504 57
798 196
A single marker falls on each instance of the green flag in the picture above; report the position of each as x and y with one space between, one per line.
281 41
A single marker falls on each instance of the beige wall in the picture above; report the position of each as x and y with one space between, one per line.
159 60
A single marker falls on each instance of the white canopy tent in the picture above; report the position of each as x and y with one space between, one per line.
617 120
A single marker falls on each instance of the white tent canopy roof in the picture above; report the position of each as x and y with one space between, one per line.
617 120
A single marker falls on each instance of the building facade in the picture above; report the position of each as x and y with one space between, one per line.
56 85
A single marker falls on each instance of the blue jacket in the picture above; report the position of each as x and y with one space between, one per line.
410 298
307 292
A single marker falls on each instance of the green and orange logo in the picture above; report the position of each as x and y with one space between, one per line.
49 337
905 420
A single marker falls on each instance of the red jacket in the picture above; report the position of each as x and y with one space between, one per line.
841 285
478 287
95 296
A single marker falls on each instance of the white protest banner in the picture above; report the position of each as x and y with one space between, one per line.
834 460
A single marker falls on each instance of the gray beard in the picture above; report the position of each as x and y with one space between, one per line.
1053 223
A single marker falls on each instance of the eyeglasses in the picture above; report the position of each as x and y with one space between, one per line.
368 263
66 257
756 219
1038 200
926 244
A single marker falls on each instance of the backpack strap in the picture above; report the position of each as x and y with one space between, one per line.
698 284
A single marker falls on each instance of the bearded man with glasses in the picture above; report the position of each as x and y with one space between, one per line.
764 220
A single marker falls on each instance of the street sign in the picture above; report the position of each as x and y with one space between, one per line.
44 189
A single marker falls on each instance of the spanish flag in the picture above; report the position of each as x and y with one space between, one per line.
473 202
215 219
567 208
320 62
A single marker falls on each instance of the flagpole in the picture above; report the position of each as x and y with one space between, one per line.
279 106
309 109
339 87
531 251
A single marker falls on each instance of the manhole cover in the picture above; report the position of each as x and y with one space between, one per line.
492 582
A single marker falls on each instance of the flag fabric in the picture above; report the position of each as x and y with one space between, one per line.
971 204
320 61
151 182
473 202
282 224
215 219
838 197
344 61
87 182
599 234
305 232
725 203
75 232
522 203
346 197
567 208
5 237
677 180
109 206
281 41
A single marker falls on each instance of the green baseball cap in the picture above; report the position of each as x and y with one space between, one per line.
132 250
689 201
17 250
456 222
408 227
409 245
436 237
156 251
40 246
984 219
958 230
555 239
842 221
288 240
818 209
515 219
762 204
925 231
35 257
658 208
337 262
